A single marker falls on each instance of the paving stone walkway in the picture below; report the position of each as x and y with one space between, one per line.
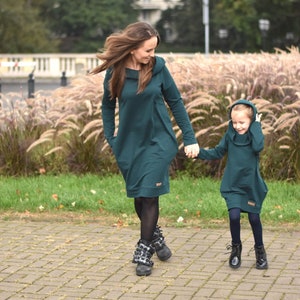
49 260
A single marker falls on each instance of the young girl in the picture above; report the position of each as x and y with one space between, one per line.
242 186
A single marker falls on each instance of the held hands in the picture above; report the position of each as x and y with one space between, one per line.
192 151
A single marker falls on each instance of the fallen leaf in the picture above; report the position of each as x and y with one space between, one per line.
180 219
42 170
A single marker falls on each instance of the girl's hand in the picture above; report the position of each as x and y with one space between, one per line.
192 151
258 117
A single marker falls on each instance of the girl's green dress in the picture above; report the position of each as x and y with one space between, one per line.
242 185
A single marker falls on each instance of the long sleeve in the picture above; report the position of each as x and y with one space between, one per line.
108 112
173 98
257 137
214 153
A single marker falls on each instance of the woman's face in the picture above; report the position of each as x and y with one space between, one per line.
240 121
143 54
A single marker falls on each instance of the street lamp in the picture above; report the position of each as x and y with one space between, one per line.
264 26
223 35
205 8
289 37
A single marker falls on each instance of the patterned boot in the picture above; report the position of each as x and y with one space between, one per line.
261 257
143 256
162 250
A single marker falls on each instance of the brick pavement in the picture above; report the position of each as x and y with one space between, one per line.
48 260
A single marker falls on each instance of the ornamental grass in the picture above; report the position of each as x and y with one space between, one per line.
62 131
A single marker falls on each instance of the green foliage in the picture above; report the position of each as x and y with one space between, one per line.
82 26
22 30
240 18
191 200
43 26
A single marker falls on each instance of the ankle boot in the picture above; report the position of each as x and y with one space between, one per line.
163 252
144 253
235 256
261 257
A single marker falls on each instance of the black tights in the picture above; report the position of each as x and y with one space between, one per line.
235 226
147 210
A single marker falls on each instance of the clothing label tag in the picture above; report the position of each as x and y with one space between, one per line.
158 184
251 203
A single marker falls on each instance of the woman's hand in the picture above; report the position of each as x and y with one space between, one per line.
192 151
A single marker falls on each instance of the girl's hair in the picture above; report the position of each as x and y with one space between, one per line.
240 107
117 50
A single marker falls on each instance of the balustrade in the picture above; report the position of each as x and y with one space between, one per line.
45 65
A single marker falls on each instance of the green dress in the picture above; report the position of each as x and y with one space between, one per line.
242 185
145 143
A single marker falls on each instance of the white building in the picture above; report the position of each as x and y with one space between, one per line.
151 11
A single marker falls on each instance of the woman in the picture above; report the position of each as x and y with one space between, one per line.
145 144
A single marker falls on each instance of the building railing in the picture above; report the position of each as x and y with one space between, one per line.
46 65
51 65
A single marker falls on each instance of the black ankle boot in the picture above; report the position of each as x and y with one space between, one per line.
162 250
261 257
235 256
143 256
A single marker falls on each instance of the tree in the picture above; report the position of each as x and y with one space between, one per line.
240 20
22 30
82 26
186 17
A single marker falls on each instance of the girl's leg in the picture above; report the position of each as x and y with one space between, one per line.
235 225
254 220
236 245
260 253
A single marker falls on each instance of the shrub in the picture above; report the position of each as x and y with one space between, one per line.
65 132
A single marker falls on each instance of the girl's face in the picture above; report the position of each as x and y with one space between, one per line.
240 121
143 54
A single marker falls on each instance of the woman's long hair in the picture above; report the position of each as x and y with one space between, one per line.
116 52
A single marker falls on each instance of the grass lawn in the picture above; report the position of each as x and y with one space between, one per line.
90 198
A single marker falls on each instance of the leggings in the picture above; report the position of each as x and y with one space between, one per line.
147 210
235 226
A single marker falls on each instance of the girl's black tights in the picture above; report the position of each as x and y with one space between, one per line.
235 226
147 210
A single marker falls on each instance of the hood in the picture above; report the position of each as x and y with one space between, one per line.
246 102
232 134
159 64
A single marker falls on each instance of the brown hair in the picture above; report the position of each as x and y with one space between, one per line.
117 49
240 107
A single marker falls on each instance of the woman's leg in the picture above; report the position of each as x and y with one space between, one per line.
149 217
158 240
147 210
138 205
